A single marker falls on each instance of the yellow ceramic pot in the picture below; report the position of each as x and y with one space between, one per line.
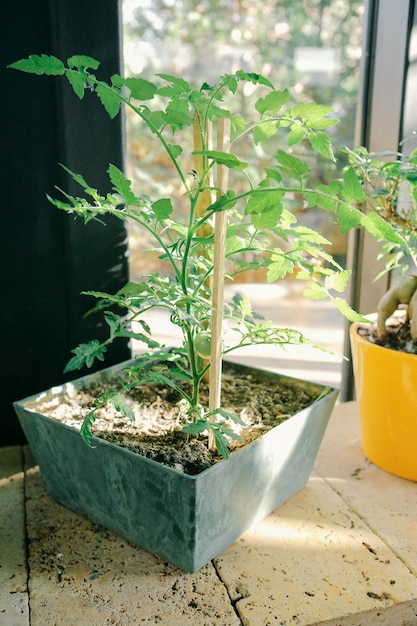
386 389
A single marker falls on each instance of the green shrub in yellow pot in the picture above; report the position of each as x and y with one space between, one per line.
385 353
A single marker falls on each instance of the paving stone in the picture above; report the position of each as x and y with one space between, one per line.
314 561
13 574
83 574
387 503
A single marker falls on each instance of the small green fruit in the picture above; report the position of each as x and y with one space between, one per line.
202 344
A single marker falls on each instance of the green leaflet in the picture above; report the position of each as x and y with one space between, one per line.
122 185
86 354
108 99
43 64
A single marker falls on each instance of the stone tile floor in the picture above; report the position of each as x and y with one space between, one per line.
341 552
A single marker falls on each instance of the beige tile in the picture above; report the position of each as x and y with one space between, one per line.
314 561
13 574
83 574
387 503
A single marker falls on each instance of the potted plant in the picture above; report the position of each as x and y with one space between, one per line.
226 228
384 354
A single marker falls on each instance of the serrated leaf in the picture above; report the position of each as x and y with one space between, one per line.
348 217
85 354
280 267
224 158
162 209
176 150
180 83
348 312
264 131
272 102
315 291
77 82
380 229
268 218
122 185
195 428
81 62
264 199
352 189
296 134
108 99
337 280
221 444
321 143
85 430
292 164
121 405
254 78
325 197
306 233
43 64
140 89
310 112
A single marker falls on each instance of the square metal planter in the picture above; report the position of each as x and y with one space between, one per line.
186 520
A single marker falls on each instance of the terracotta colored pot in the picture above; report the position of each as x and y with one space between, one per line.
386 389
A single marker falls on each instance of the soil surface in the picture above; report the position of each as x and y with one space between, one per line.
156 431
398 336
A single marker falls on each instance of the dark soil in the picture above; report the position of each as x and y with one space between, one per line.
398 336
157 430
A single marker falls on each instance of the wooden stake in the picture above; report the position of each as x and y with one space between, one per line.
220 226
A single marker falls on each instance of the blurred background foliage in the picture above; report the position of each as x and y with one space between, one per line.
311 47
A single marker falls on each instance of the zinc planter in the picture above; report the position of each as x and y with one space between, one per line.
385 382
186 520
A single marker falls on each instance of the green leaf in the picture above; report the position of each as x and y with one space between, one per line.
324 197
226 201
292 164
352 189
281 266
81 62
315 291
44 64
177 114
120 404
321 143
348 217
85 354
122 185
264 130
176 150
108 99
268 218
254 78
296 134
162 209
272 102
348 312
262 200
77 82
221 443
380 229
310 112
224 158
85 430
179 84
195 428
140 89
337 280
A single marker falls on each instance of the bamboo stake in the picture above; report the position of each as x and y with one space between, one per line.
220 226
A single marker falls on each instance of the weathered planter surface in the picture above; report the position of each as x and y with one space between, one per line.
385 382
186 520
